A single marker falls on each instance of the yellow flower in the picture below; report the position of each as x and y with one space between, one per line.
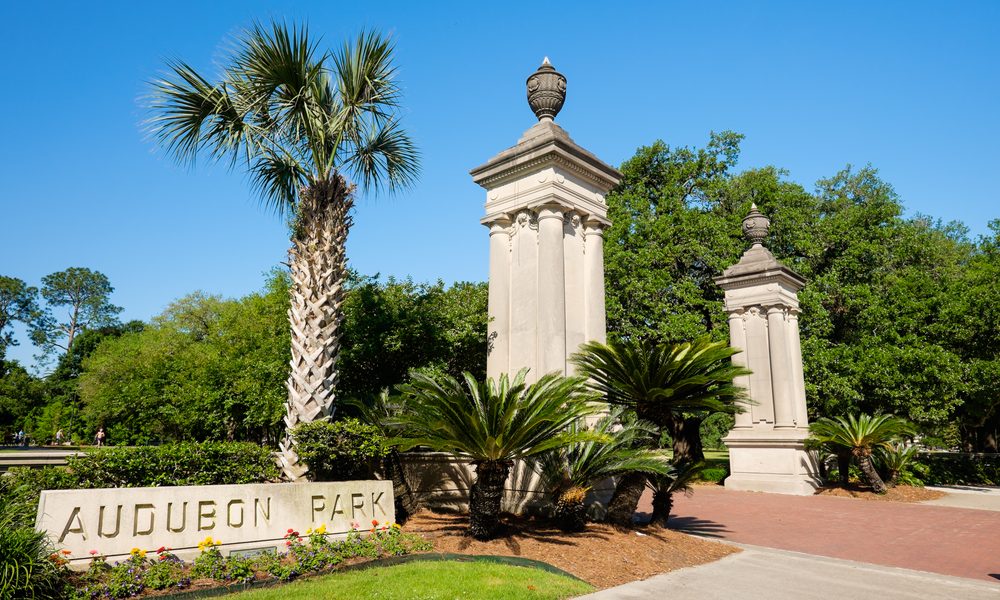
309 531
218 543
321 529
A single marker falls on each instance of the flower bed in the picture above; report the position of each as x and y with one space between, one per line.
160 571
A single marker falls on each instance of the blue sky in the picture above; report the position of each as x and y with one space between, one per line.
910 87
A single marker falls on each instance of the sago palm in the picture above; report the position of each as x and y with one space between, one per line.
860 436
568 473
307 125
493 423
678 479
662 382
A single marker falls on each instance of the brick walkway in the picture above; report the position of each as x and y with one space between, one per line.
950 541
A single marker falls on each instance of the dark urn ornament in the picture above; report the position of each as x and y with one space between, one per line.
756 226
546 91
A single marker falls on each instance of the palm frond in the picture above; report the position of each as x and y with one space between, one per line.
660 379
383 157
190 114
860 434
491 420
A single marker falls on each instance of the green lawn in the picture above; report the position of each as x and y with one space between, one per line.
428 580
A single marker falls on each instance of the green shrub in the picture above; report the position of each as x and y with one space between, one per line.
340 450
27 567
957 468
713 474
186 463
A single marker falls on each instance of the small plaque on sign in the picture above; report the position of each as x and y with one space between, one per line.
250 552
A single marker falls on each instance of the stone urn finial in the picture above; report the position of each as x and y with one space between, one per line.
546 91
756 226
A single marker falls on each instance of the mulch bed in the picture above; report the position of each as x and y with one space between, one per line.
601 555
900 493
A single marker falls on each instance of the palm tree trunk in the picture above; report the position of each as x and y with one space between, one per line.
318 268
687 438
406 503
621 508
485 499
663 503
865 462
844 468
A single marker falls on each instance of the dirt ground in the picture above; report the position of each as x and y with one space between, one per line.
900 493
601 555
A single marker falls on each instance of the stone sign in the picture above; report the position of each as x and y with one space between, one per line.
240 517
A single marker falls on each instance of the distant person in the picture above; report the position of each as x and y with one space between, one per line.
22 439
99 438
59 438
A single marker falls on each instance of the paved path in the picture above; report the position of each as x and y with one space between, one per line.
950 541
766 574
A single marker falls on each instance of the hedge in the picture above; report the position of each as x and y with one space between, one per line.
957 468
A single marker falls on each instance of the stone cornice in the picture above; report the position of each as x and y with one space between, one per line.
542 145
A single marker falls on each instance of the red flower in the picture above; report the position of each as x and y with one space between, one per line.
161 549
374 523
290 530
163 557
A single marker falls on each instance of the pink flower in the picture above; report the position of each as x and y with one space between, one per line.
93 552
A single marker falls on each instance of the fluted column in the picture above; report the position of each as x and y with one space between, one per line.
781 367
738 340
498 356
594 281
551 292
798 377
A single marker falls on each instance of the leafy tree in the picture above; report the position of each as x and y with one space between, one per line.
886 321
86 296
860 436
493 423
21 396
392 326
302 122
18 302
173 381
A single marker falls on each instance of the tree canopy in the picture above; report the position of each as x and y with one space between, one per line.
887 321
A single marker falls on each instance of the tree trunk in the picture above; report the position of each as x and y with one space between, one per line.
865 462
663 503
687 439
844 468
406 503
318 268
621 508
485 499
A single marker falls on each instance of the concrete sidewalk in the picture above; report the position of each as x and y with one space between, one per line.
967 496
760 573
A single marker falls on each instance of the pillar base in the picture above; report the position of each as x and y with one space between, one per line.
764 459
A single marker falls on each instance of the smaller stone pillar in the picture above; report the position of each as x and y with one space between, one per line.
766 446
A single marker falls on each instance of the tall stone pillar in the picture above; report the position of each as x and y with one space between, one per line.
766 445
545 209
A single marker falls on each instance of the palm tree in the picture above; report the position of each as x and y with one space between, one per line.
895 457
661 382
860 436
493 423
306 125
569 472
665 486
